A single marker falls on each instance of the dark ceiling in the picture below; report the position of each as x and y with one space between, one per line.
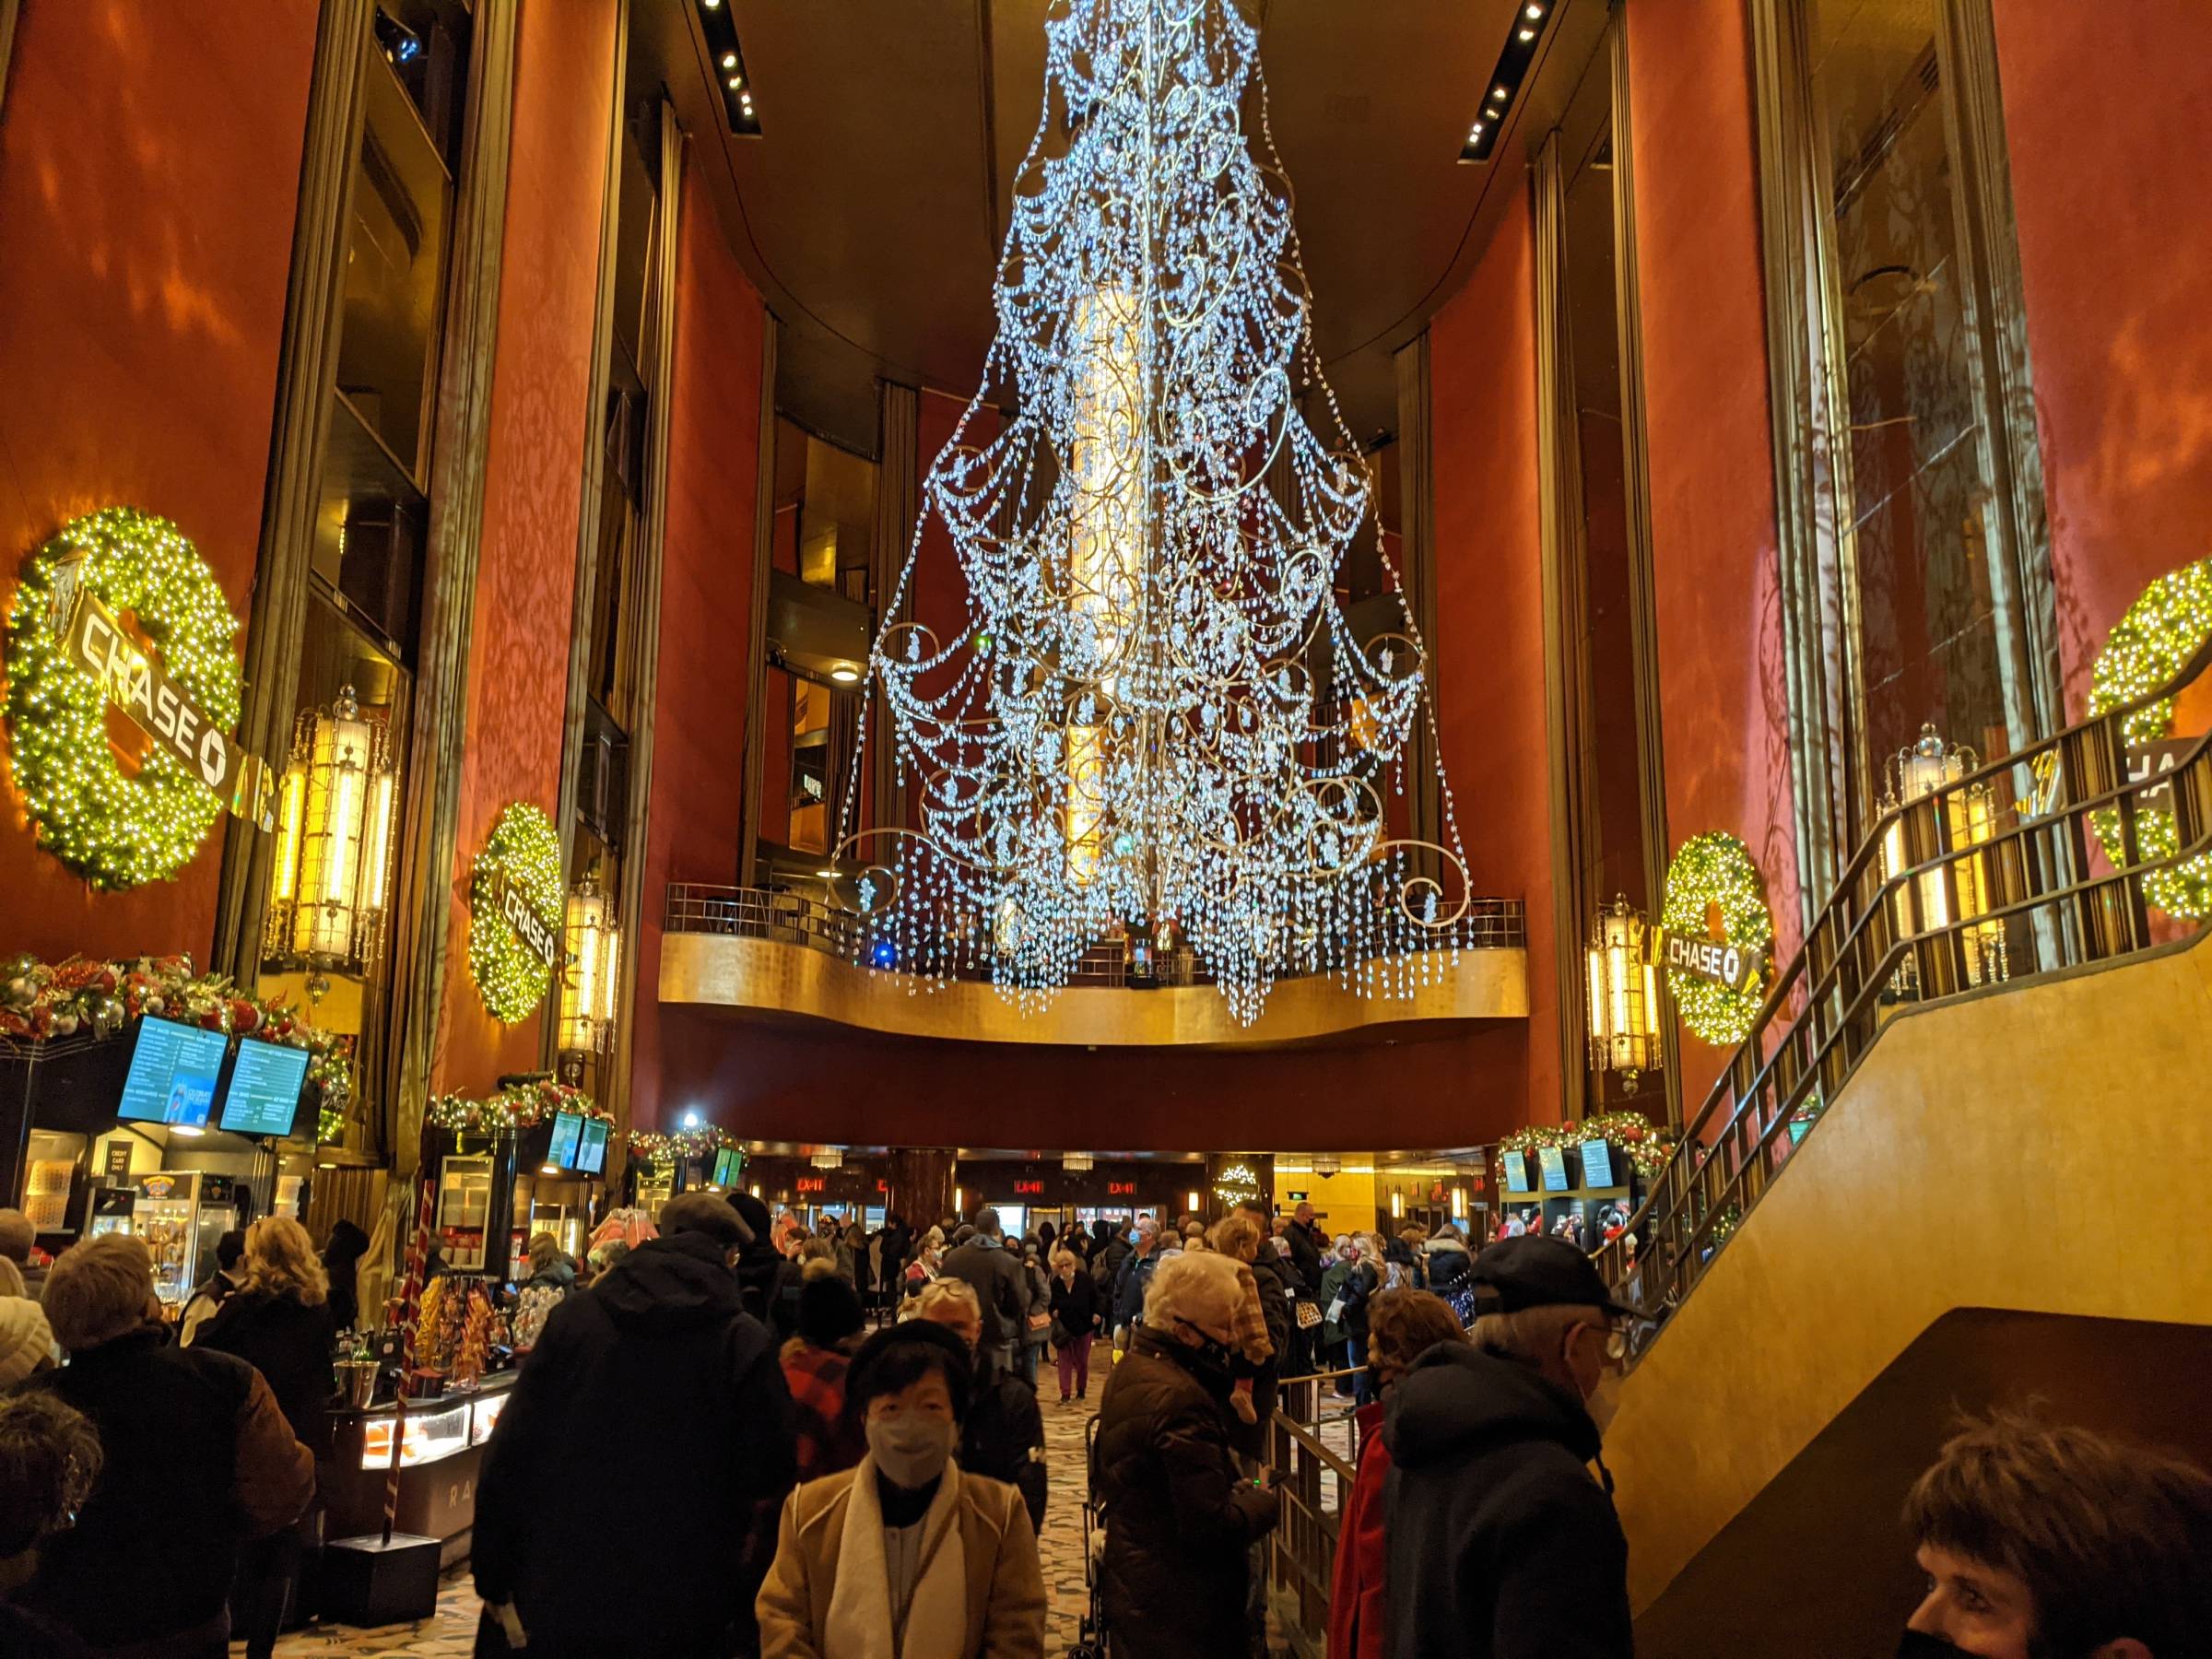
871 210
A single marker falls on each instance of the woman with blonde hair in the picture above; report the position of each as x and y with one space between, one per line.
276 1322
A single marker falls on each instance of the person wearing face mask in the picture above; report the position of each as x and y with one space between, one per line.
1179 1517
1003 1430
908 1556
1502 1544
2055 1543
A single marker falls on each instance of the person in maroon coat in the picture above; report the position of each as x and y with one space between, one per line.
1402 1326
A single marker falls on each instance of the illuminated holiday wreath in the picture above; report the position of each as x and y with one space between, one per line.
518 1106
1713 875
522 853
116 830
2147 647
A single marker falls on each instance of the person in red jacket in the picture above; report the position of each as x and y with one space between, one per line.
1402 1326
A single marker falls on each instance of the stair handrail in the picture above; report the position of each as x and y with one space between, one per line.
1874 942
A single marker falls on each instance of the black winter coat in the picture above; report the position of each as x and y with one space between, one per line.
1501 1544
1305 1255
1000 1282
1004 1434
1179 1519
655 1385
288 1343
1076 1305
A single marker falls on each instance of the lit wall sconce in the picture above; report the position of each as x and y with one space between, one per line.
1971 818
331 887
1397 1205
1459 1203
1190 1204
1325 1166
959 1203
591 979
1624 997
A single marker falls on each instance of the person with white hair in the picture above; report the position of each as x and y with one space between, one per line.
1180 1518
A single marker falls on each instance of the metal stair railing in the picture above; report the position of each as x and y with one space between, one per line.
2018 840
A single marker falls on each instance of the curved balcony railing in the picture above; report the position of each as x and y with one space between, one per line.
2000 876
793 917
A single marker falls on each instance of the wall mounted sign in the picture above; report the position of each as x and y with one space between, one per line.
814 1183
1714 894
2154 642
514 899
1120 1189
73 655
1028 1189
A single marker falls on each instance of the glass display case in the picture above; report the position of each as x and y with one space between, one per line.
464 1209
483 1414
435 1430
181 1214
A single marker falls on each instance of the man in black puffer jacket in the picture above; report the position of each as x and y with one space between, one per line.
1502 1545
655 1384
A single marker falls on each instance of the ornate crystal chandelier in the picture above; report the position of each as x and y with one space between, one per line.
1154 721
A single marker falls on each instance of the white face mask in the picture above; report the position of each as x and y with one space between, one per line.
910 1449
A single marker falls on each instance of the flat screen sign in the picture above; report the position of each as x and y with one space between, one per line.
591 1148
1516 1171
567 1128
264 1096
1597 1164
1554 1160
173 1073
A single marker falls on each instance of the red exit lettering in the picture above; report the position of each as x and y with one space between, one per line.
1028 1189
813 1184
1120 1189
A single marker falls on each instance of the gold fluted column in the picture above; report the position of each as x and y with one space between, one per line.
922 1183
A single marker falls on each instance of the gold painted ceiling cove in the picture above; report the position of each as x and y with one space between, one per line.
768 976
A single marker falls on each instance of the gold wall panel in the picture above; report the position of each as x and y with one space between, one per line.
763 974
1982 1157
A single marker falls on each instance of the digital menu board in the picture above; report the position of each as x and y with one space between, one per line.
1553 1162
568 1127
1597 1164
591 1149
264 1096
1516 1171
173 1074
729 1166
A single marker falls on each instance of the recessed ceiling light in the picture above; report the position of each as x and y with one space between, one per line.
1500 94
729 60
1528 34
844 674
1533 13
548 1168
711 4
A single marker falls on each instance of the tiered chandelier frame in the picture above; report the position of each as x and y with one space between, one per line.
1154 721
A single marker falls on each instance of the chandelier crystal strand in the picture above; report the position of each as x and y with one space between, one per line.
1155 720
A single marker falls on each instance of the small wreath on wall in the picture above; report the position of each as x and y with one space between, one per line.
116 831
2147 647
1713 875
522 855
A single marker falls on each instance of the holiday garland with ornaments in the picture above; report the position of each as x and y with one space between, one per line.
116 832
1646 1145
652 1146
2147 647
42 1002
517 1106
1713 875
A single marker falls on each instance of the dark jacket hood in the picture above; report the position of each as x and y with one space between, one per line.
1459 1401
669 1285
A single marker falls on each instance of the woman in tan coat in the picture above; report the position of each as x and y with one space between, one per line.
905 1557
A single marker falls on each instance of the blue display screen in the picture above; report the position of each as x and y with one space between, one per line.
591 1150
173 1073
567 1128
1516 1171
1597 1164
1553 1162
264 1096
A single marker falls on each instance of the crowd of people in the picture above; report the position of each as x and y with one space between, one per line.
831 1446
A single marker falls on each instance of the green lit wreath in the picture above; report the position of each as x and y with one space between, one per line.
1714 871
2148 646
116 832
523 846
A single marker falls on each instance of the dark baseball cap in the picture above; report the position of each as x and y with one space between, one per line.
1536 1272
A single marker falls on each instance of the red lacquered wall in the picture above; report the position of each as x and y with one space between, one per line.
829 1083
533 483
2114 244
150 171
706 598
1490 644
1722 695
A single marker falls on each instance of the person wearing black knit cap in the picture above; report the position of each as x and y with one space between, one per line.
907 1552
815 1365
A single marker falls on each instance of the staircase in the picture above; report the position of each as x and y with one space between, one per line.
1953 1166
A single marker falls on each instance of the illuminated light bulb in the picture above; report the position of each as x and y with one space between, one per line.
844 674
1528 34
729 60
1498 94
1533 13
